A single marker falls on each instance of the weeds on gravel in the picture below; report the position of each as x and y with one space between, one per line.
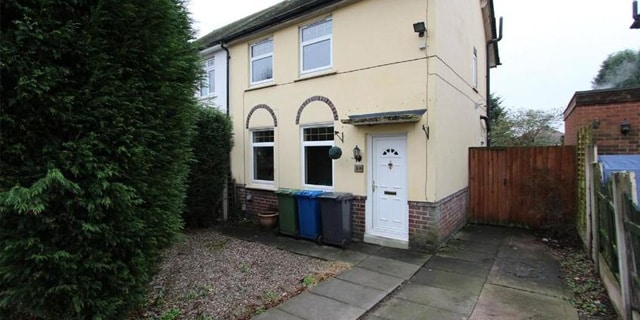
170 315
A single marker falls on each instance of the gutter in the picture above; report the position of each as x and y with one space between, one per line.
294 13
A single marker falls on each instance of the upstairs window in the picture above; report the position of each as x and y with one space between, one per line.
262 154
262 61
316 46
318 167
474 78
207 86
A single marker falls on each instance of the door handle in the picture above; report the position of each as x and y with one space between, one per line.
373 186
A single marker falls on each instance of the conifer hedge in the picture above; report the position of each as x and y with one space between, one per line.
96 114
210 167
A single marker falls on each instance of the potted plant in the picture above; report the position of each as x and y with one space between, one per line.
269 218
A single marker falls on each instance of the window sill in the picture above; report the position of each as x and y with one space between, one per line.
260 86
317 187
265 187
315 76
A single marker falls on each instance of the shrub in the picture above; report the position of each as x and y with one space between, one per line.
211 146
97 108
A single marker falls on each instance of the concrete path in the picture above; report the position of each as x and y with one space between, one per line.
482 273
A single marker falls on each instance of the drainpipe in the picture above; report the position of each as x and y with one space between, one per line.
225 197
227 75
492 41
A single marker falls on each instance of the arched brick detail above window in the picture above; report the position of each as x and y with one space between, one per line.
262 106
317 98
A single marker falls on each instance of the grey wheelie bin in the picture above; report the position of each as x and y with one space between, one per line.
335 212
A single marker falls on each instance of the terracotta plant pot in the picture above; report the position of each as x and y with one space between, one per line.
268 219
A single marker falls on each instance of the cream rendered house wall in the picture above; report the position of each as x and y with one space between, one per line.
454 117
377 66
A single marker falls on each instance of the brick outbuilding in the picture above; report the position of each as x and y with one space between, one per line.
605 111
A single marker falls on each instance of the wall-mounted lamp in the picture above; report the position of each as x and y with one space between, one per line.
625 127
419 28
595 124
356 154
635 15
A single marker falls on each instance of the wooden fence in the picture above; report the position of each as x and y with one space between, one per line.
522 186
617 220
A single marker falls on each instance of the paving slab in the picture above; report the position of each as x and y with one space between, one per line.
491 248
349 293
450 300
389 266
472 256
351 256
310 306
484 234
403 255
464 284
275 314
500 303
311 249
372 279
541 276
398 309
480 270
525 246
364 247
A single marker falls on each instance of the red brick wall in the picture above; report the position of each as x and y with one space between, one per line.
430 224
607 135
604 111
453 213
357 217
260 201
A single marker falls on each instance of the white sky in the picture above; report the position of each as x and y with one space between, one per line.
550 48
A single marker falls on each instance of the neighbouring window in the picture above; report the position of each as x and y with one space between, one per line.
262 151
475 68
207 86
262 61
318 167
316 46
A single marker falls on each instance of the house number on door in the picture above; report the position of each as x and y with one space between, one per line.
390 165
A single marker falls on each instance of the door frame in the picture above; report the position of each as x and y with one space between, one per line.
369 234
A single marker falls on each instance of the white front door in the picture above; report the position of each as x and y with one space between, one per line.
390 211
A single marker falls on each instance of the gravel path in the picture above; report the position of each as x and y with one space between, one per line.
212 276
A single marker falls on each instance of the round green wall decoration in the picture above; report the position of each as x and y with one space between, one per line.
335 153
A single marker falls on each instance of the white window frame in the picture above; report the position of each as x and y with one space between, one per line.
303 165
474 79
313 41
253 59
208 68
252 159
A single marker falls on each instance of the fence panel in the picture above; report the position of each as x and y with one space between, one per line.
632 228
522 186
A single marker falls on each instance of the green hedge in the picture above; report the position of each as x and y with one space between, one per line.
211 147
97 110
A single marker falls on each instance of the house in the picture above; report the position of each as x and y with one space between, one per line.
613 115
214 85
402 83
